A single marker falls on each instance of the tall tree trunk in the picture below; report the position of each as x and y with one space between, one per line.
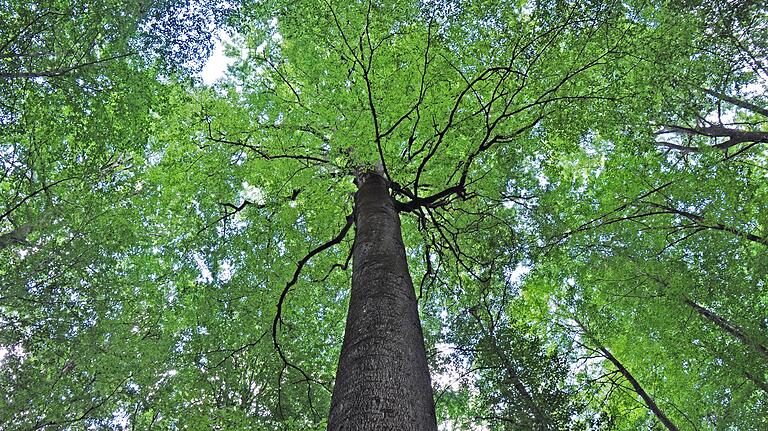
729 327
382 381
542 420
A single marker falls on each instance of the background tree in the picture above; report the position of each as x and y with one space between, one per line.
82 341
650 267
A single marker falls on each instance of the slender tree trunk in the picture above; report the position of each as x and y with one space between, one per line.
543 421
760 383
640 391
729 327
741 366
382 381
652 406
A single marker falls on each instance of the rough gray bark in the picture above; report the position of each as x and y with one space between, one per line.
382 381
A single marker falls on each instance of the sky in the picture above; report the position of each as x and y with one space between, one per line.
217 64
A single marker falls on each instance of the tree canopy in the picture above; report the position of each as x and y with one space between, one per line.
582 187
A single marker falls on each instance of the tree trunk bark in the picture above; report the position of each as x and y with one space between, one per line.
382 380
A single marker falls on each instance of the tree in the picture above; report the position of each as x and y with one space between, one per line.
382 379
180 259
443 138
77 102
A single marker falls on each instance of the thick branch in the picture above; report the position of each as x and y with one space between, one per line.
736 102
59 72
734 136
429 201
31 195
335 240
16 236
700 221
261 152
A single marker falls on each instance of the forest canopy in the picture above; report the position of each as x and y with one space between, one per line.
527 215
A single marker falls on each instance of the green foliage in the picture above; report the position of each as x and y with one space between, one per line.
586 181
